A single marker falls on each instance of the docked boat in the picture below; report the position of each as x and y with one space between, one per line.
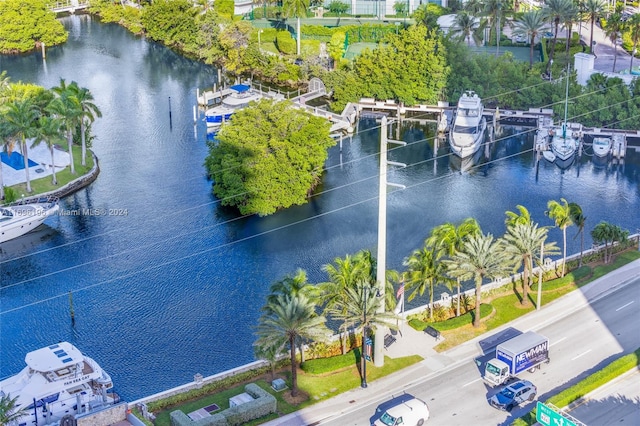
469 126
564 142
18 219
58 384
602 146
241 95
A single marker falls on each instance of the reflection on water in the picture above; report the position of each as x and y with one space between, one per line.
175 287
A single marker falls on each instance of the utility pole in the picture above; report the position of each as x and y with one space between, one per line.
539 302
381 259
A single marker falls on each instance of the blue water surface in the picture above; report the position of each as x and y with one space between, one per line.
166 283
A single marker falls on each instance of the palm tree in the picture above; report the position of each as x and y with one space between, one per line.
369 268
495 10
555 11
571 16
523 243
449 239
296 8
481 257
343 274
49 131
530 25
593 10
634 26
89 112
613 30
287 319
465 28
424 269
579 219
19 118
513 218
561 214
66 107
8 410
361 309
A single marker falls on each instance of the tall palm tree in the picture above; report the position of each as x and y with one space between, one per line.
555 11
495 11
561 214
513 218
89 112
579 219
571 16
8 410
20 116
369 266
613 30
66 107
425 270
360 308
530 25
49 131
481 257
296 8
594 9
287 319
634 26
465 27
343 274
448 239
522 243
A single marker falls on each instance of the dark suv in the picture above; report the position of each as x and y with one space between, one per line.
513 395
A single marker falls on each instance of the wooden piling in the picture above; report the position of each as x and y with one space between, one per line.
73 316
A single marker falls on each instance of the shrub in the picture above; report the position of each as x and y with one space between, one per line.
10 195
325 365
285 43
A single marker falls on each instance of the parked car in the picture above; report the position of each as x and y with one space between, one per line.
513 395
405 410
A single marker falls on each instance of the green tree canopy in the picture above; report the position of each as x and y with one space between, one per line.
26 24
269 156
411 68
172 22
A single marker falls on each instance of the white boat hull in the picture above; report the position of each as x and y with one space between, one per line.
24 218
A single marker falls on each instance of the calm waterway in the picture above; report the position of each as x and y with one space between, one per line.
173 285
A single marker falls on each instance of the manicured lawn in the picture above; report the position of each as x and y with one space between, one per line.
317 387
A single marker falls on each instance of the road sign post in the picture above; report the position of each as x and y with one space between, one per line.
547 416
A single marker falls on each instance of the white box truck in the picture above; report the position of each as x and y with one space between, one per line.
524 352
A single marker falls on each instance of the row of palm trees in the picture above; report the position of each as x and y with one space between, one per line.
44 116
477 15
296 311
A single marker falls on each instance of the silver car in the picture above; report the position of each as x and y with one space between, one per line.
513 395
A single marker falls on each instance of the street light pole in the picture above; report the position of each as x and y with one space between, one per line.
363 383
540 277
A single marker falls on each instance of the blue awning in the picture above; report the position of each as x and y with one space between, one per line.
240 88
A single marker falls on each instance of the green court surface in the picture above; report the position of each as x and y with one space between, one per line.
356 49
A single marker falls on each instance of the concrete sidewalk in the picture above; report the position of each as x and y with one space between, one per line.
412 342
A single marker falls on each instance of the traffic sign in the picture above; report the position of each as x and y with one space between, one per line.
546 416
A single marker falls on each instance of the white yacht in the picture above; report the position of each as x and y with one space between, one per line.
18 219
469 126
601 146
58 384
240 97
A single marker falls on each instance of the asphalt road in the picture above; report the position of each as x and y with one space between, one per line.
582 342
617 402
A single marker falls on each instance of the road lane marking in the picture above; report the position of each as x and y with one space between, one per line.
624 306
473 381
558 341
583 353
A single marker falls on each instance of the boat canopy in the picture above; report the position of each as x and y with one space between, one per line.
240 88
53 357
